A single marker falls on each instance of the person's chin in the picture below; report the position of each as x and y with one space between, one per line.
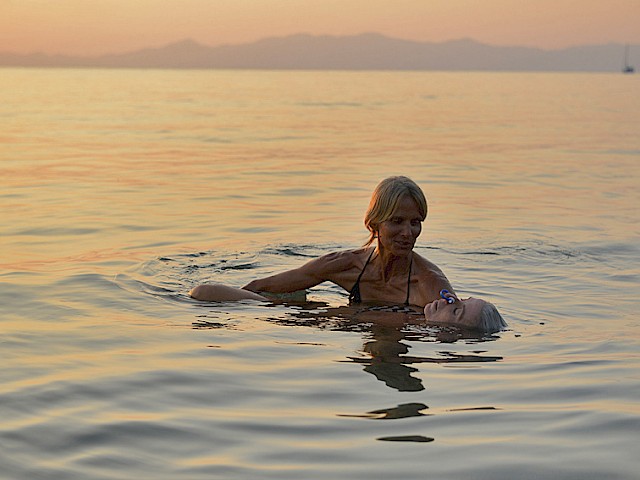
435 319
402 248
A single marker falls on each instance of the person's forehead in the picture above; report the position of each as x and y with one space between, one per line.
473 306
406 202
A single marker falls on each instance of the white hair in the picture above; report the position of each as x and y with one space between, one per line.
490 319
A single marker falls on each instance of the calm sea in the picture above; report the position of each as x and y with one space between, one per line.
122 189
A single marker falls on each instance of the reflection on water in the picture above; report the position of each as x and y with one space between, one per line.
405 410
386 352
407 438
388 360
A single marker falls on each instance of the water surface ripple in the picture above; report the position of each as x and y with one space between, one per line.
124 189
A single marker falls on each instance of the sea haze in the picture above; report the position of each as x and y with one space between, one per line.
370 51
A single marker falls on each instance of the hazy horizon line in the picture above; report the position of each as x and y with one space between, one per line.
312 35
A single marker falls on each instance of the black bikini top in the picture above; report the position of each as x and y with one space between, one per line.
354 294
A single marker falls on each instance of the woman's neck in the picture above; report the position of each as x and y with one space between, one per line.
393 265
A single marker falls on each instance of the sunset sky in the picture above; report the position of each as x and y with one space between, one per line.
90 27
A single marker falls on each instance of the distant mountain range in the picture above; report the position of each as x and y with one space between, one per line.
369 51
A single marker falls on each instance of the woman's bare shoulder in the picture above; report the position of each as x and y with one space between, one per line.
431 279
340 261
424 264
426 268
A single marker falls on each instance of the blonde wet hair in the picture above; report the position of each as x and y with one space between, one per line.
384 201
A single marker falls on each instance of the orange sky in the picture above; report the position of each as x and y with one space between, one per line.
89 27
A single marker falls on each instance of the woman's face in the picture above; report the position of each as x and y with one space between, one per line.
398 234
462 312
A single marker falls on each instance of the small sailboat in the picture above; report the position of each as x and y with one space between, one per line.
626 68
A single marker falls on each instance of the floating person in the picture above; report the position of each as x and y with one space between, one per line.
470 313
385 271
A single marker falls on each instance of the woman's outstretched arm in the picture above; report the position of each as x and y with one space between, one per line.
217 292
328 267
312 273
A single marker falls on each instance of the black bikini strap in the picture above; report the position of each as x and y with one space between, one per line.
354 294
365 266
406 302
